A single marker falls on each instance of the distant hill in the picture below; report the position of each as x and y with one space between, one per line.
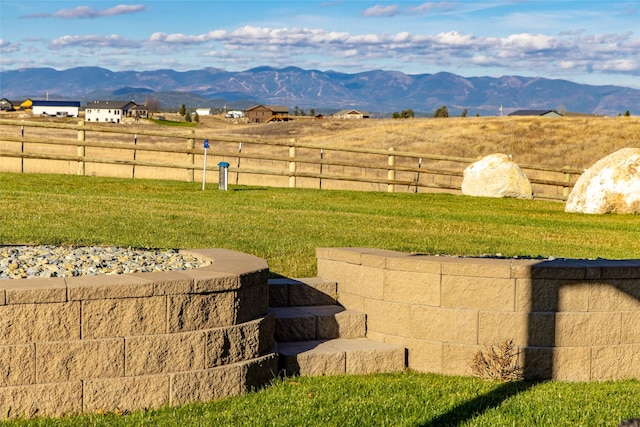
375 91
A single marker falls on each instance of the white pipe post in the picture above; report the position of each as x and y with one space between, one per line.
204 165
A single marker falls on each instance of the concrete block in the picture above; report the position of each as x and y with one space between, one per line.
124 317
367 357
205 280
201 311
259 372
559 269
476 267
29 401
351 301
313 291
155 354
63 361
228 261
525 329
311 358
412 288
108 286
416 264
425 323
129 393
379 318
552 295
615 362
479 293
364 281
630 328
293 324
587 329
278 294
17 364
342 324
252 303
206 385
615 295
460 326
24 323
561 364
168 282
457 358
239 342
423 355
36 290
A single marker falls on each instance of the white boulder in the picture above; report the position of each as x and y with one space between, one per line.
496 175
611 185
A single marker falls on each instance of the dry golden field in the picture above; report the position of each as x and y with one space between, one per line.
575 142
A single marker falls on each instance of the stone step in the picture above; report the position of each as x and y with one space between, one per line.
287 292
320 322
339 356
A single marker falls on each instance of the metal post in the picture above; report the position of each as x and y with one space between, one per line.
238 172
135 144
191 144
204 163
418 176
223 175
321 157
292 167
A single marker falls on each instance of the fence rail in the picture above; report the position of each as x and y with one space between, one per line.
116 150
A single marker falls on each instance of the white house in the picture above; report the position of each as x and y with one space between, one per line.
204 112
350 115
113 111
55 108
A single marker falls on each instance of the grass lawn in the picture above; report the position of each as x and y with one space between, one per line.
284 226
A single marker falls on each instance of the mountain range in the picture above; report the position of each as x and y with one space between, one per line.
376 91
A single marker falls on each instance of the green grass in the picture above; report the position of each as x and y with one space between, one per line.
405 399
173 123
284 226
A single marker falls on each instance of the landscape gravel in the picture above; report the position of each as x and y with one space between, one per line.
21 262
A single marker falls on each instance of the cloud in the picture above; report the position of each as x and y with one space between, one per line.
430 6
8 47
85 12
378 10
92 41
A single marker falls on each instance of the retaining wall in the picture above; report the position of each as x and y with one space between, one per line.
131 341
575 320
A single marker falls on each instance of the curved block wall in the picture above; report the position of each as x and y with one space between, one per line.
131 341
574 320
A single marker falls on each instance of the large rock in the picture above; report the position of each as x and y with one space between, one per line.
496 175
612 184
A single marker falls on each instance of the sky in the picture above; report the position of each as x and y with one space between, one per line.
588 42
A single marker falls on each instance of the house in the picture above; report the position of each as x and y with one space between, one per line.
204 112
350 115
6 105
540 113
113 111
55 108
267 113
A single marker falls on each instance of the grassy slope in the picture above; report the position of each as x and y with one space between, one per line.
285 226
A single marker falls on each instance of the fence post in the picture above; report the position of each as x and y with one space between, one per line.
391 173
81 148
22 149
191 144
292 167
567 180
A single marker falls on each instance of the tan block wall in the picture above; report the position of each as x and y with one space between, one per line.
572 320
83 344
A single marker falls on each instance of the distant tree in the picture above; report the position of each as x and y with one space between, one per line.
302 112
187 116
296 111
464 113
442 111
477 114
196 117
627 113
183 110
312 112
153 105
404 114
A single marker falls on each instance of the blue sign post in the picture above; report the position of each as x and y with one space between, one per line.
204 166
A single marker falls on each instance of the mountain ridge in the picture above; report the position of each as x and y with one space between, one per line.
378 91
